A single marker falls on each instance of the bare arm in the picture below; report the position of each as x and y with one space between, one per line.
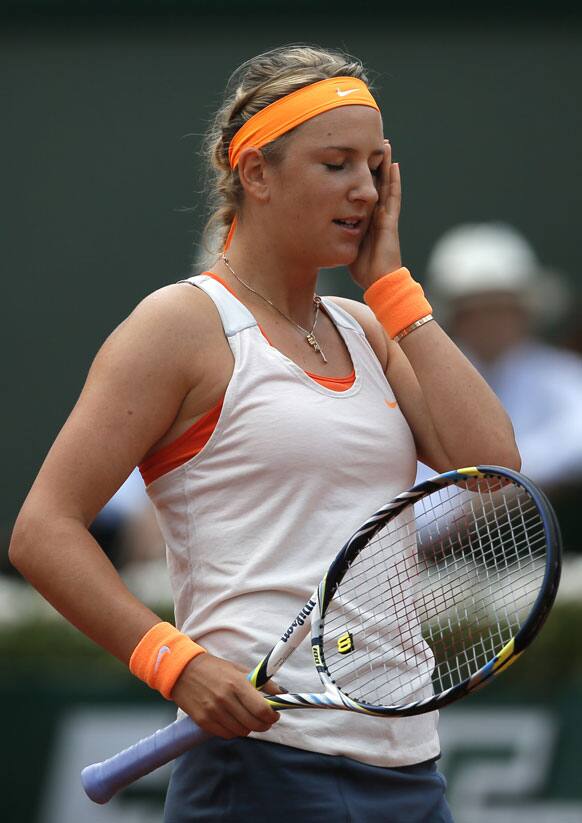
134 391
113 423
471 424
455 418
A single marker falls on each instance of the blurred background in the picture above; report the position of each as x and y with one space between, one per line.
103 108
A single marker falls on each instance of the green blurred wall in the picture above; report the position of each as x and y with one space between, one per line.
101 189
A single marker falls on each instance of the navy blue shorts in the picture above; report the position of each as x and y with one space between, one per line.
248 779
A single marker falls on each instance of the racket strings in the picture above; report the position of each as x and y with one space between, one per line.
436 593
437 597
448 626
448 551
460 581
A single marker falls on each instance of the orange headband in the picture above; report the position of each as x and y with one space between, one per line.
292 110
295 108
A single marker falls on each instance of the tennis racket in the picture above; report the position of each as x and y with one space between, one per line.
438 591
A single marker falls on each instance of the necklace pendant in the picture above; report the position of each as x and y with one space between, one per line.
312 340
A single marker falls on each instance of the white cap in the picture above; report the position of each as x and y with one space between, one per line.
477 258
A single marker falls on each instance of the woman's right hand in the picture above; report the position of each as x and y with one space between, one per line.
219 698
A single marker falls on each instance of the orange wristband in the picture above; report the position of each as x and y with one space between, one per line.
161 656
398 301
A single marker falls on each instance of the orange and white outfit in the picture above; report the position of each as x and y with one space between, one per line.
291 468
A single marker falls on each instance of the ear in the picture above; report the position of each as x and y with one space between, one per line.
252 168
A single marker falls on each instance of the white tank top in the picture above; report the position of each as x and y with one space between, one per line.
252 521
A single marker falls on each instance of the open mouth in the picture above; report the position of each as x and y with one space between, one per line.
348 223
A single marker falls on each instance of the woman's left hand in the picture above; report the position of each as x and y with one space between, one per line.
380 247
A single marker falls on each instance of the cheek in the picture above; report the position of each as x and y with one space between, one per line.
306 207
312 187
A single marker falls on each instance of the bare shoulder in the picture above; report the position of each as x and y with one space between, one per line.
167 323
173 311
374 332
134 392
161 353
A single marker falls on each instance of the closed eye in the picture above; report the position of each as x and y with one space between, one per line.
333 167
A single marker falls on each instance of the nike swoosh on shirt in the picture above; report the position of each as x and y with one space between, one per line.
344 93
390 404
163 650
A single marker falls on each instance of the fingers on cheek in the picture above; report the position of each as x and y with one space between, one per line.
396 177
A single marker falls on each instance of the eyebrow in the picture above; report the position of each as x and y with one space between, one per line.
352 150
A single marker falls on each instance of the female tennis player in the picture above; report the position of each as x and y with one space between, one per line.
268 423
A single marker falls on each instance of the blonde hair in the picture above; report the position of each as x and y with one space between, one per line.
259 82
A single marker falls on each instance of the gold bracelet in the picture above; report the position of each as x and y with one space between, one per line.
397 300
416 325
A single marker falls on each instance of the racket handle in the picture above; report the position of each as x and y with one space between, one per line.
102 780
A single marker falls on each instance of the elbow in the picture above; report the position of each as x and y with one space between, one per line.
502 450
40 534
19 541
504 454
516 465
511 459
29 535
504 458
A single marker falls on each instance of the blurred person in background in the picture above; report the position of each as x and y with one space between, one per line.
495 300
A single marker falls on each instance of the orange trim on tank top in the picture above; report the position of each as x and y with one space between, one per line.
183 448
334 383
189 443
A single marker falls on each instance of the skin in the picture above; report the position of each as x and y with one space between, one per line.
169 362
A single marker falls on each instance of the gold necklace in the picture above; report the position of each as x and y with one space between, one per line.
309 334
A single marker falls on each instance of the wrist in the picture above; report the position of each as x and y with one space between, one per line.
161 656
399 303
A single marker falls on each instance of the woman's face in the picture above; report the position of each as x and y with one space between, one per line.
323 190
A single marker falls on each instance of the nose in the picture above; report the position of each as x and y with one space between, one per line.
364 188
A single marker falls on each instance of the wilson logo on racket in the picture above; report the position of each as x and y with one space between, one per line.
316 655
345 643
299 620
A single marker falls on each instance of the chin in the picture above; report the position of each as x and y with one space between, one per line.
338 257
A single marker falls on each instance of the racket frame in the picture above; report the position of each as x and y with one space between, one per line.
102 780
315 609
